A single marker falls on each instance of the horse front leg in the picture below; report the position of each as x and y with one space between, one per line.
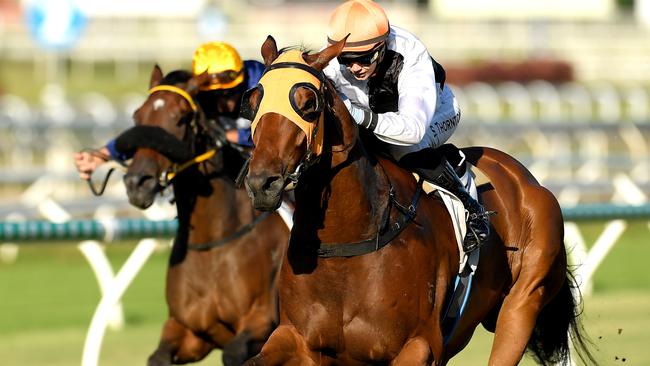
286 347
255 330
178 344
416 352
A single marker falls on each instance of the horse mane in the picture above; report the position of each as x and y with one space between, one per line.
300 47
176 77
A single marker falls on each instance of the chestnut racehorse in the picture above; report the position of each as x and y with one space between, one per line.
371 263
221 280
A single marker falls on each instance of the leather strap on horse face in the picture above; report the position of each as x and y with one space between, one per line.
169 174
166 144
176 90
279 89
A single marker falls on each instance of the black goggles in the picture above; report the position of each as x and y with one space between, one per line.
366 58
227 93
224 77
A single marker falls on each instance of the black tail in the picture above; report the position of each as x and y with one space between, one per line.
556 324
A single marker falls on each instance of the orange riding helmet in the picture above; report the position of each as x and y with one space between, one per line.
364 20
222 62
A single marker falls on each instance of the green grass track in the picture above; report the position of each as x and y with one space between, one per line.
49 293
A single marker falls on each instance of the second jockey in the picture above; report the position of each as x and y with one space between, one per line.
220 99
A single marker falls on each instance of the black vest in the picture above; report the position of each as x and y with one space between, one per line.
382 87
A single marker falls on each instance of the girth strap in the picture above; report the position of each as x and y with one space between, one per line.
236 235
382 238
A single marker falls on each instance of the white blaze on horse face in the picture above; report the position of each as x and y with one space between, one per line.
158 103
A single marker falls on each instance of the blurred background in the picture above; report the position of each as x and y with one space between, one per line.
564 86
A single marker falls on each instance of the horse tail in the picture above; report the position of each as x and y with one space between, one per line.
557 323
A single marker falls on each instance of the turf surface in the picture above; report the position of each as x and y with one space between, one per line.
48 296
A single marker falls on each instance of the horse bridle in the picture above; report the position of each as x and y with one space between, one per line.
310 157
167 175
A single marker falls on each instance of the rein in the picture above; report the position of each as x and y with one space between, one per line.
102 187
388 231
166 177
170 173
236 235
383 237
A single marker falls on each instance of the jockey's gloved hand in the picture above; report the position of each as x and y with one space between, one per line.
361 115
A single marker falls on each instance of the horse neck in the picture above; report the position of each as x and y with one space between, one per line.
336 195
210 207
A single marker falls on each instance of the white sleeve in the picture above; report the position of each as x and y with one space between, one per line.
332 71
416 104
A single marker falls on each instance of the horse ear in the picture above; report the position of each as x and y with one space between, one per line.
195 83
327 54
269 51
156 76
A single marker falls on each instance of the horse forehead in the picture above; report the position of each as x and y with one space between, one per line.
158 103
282 126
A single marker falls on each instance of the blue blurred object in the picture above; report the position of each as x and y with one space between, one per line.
55 25
211 24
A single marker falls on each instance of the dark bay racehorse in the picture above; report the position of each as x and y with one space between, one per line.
221 281
371 263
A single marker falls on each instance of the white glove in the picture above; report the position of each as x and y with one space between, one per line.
361 115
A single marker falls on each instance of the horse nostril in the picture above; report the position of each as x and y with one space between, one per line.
261 183
134 181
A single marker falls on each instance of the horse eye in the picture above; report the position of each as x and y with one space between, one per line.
309 100
187 118
310 104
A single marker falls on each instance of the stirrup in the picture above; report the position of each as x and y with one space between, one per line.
470 248
471 241
485 215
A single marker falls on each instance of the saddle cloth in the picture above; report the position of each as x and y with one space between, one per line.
456 211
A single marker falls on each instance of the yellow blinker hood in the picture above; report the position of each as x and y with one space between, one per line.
277 84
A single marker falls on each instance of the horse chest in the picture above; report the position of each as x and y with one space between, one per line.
347 314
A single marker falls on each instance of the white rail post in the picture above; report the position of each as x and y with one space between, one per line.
94 253
605 242
97 328
639 151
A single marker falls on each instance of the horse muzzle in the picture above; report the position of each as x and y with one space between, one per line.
141 189
265 190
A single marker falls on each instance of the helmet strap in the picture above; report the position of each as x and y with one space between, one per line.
380 58
382 52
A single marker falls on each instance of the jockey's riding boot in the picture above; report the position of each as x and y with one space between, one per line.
478 224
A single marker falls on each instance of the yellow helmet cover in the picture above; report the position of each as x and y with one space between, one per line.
278 84
222 62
